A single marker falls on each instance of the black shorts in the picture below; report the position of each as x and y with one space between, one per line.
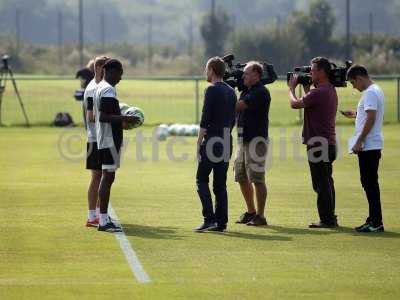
93 157
110 159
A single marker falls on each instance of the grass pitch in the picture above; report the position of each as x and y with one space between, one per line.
47 253
163 101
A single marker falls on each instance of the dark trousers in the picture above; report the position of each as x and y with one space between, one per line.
220 170
369 164
323 185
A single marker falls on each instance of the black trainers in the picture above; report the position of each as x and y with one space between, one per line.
323 225
257 221
218 228
204 227
358 228
246 218
371 228
109 227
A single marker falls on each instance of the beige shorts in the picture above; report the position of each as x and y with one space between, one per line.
250 161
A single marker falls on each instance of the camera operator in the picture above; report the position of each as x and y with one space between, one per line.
215 146
253 109
320 107
369 142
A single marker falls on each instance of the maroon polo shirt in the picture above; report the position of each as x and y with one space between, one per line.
320 107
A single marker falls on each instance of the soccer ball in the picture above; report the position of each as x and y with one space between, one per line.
137 112
172 129
181 130
123 107
162 132
194 130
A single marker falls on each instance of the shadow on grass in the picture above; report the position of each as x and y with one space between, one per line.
252 236
386 234
327 231
296 231
150 232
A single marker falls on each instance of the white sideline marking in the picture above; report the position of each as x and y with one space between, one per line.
130 255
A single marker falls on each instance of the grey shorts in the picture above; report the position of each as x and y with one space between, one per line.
250 162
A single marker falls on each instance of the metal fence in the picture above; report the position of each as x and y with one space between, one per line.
165 99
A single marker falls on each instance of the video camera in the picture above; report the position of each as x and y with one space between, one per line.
5 59
337 75
234 73
85 75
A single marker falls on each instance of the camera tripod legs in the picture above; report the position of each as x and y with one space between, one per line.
4 72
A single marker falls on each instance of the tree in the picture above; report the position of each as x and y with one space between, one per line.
214 30
317 29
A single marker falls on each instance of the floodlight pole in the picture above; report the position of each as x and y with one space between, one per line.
60 37
17 30
81 33
150 44
103 32
348 37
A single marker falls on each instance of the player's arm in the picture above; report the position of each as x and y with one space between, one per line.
205 115
349 114
107 112
89 110
369 123
294 101
241 105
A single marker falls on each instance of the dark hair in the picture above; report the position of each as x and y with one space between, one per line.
113 64
85 74
357 70
322 64
217 65
256 67
99 61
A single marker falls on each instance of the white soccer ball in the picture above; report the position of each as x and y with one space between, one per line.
162 132
194 130
123 107
137 112
181 130
172 129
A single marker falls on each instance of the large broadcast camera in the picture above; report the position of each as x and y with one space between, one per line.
337 75
5 59
234 73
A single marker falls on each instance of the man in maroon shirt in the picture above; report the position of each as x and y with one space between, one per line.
320 107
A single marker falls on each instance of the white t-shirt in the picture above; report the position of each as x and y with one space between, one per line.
88 98
107 136
372 99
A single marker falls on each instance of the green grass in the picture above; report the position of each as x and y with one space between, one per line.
165 101
47 253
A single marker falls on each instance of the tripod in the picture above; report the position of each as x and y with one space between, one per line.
5 73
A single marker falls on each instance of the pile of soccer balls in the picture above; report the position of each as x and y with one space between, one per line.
127 110
163 131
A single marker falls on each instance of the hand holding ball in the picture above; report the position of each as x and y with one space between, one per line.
135 117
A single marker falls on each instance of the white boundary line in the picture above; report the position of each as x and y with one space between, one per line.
130 255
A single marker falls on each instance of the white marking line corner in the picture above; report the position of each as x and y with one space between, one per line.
130 255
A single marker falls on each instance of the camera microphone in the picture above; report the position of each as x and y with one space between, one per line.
228 57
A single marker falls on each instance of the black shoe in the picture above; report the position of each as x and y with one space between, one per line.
245 218
257 221
323 225
218 228
109 227
358 228
204 227
371 228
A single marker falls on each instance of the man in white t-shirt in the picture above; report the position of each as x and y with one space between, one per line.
368 142
93 155
109 125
